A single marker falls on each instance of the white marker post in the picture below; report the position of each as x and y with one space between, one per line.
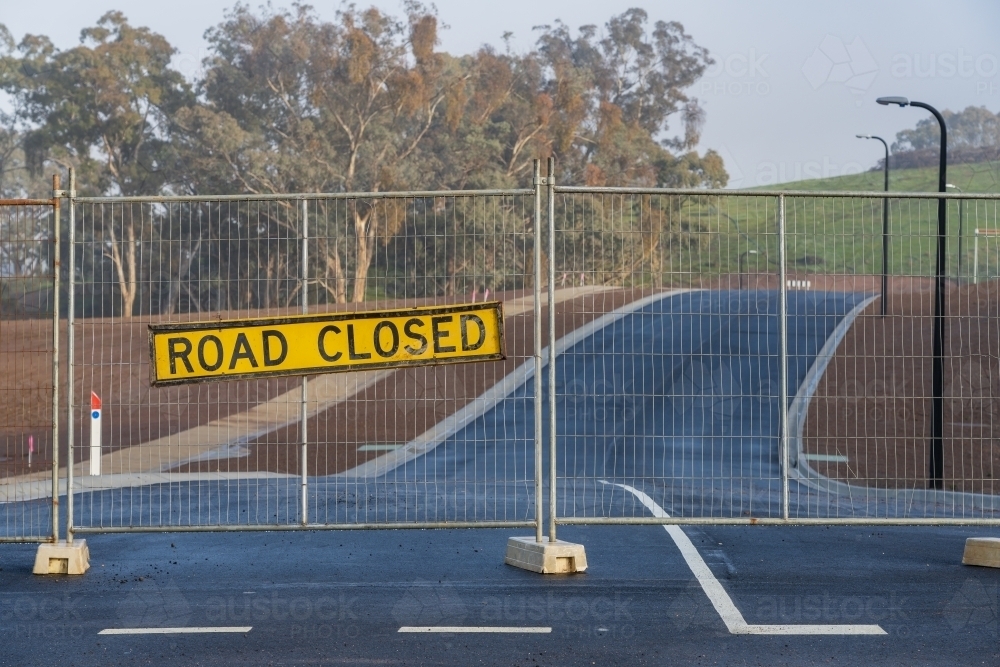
95 434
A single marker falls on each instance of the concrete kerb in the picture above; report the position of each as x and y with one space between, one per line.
803 473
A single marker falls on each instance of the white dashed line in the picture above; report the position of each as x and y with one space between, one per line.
473 628
723 604
172 631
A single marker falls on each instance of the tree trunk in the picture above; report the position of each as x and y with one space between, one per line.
125 270
174 295
364 234
334 266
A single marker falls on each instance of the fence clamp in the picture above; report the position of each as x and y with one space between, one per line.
63 194
544 180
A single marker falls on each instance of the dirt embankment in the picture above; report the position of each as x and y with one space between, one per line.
113 361
873 404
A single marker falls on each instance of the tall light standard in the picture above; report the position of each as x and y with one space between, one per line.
961 216
739 263
936 466
885 226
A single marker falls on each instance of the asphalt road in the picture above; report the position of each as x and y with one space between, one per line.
340 598
691 421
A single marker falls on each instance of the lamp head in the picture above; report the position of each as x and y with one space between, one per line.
901 101
863 136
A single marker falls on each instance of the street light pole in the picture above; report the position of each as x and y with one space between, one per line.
885 226
961 217
739 264
936 463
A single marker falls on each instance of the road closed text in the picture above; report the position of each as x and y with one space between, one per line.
312 344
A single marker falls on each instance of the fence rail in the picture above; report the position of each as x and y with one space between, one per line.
729 357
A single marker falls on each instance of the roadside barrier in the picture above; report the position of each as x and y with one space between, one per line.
497 358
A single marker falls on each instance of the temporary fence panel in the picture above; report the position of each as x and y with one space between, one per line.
708 357
29 312
748 374
897 421
367 448
674 394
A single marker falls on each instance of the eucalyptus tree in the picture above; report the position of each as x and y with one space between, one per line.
293 103
105 104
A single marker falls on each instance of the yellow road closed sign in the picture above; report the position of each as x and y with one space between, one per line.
312 344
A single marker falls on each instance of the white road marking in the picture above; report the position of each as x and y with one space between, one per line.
173 631
826 458
473 628
717 595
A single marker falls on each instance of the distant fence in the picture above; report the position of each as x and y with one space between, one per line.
673 356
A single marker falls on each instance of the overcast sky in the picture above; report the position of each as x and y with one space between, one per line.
793 81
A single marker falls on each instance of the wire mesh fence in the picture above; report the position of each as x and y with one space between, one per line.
732 357
354 449
866 422
761 381
28 312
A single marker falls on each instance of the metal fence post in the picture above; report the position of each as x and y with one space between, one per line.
304 415
551 183
70 356
783 355
55 356
975 257
537 357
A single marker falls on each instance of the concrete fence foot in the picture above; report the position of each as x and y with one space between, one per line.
546 557
62 558
982 551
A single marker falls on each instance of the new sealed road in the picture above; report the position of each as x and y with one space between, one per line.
341 598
